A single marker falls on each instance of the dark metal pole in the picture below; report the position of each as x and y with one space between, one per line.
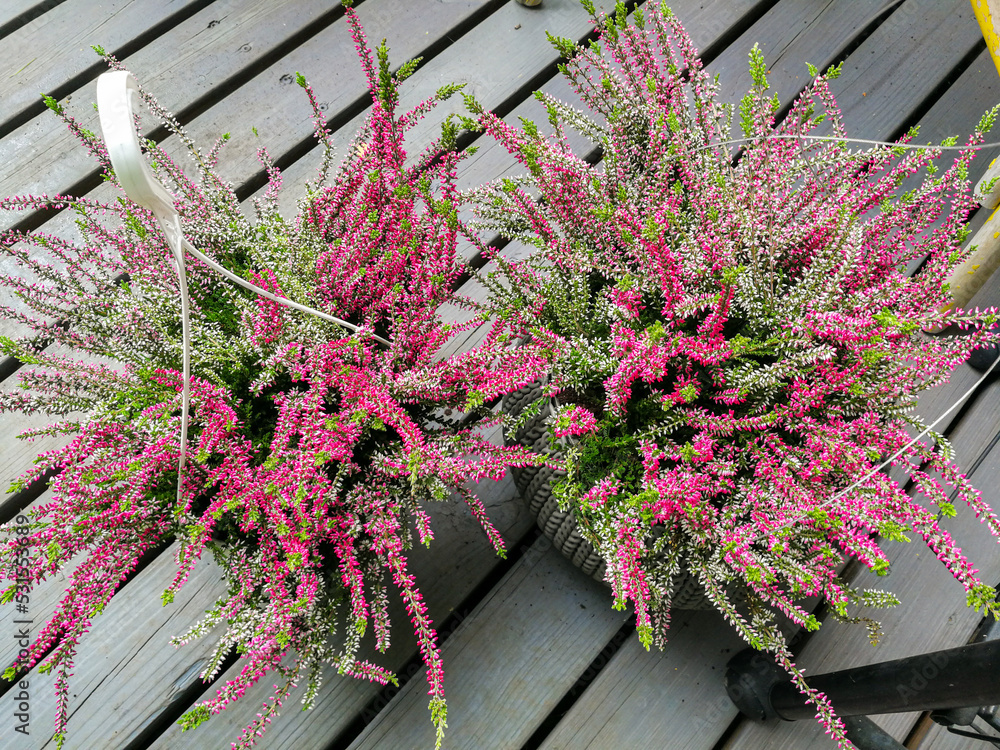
955 678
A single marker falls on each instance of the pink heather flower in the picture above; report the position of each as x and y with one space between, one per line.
313 449
574 420
740 326
266 323
598 495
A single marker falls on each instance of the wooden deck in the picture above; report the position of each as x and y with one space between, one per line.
534 655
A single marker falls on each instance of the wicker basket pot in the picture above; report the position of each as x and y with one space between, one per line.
560 527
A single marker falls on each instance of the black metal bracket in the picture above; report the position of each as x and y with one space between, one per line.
957 678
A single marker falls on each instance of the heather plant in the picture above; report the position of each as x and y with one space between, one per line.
736 339
314 447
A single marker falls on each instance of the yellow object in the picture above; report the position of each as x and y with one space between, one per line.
988 14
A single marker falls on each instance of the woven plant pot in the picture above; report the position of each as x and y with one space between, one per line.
560 527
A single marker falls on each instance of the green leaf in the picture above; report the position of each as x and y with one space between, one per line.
52 104
758 68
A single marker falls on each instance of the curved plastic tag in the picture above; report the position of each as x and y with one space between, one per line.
115 92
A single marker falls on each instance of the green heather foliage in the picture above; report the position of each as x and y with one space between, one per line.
313 450
735 342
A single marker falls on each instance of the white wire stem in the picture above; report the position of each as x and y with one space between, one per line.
274 298
983 377
116 91
837 139
186 364
186 246
913 442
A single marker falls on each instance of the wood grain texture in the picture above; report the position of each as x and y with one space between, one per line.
16 455
43 600
56 46
510 662
16 13
13 10
654 699
182 67
112 695
789 35
907 58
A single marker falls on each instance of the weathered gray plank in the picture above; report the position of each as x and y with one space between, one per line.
915 49
16 13
669 698
181 67
128 644
510 662
789 35
55 47
16 455
909 55
456 562
960 108
14 10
